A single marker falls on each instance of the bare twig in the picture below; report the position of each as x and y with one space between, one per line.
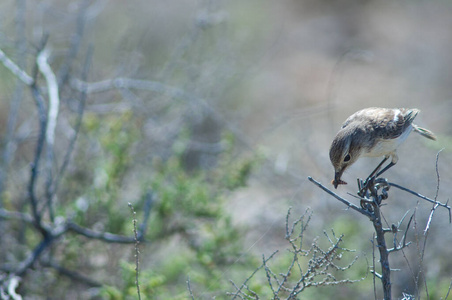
189 289
373 268
76 40
372 211
298 276
52 116
448 291
15 69
427 227
438 180
149 201
8 288
15 215
239 292
137 250
32 257
78 124
270 277
445 205
53 91
39 100
346 202
102 236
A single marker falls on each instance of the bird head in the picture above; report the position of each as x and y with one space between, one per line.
343 153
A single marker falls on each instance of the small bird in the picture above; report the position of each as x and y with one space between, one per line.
372 132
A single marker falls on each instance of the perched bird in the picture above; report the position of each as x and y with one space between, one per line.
372 132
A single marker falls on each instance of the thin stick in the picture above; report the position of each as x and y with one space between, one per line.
189 289
373 267
445 205
346 202
10 65
137 250
448 291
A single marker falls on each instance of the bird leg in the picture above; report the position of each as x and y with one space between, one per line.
378 168
371 177
385 168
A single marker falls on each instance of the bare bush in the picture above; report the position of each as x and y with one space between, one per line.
309 266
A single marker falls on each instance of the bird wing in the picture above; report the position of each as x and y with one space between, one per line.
385 122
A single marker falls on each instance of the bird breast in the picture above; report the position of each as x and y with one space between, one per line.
387 146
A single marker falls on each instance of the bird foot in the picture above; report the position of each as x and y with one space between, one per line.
373 185
366 185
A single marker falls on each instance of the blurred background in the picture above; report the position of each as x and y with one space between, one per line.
218 111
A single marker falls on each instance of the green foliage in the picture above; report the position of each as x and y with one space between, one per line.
438 287
234 171
99 179
190 234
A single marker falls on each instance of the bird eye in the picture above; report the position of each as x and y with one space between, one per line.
347 158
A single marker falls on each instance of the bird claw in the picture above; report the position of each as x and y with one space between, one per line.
364 186
374 185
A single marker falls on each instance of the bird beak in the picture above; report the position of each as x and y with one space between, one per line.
337 179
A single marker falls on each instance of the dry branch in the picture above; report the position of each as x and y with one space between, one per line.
445 205
293 281
346 202
371 195
15 69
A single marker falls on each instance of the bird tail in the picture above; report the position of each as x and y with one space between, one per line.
424 132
